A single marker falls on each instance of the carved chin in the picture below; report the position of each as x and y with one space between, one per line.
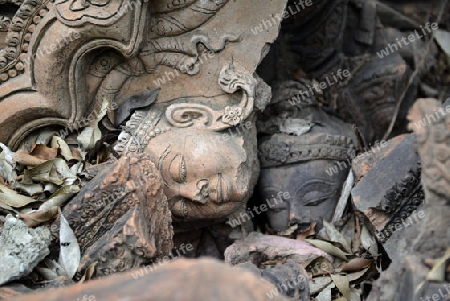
187 210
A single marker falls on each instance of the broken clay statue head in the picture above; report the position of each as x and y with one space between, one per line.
301 152
206 174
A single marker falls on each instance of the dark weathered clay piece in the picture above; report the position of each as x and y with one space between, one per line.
121 218
427 238
329 37
303 154
392 187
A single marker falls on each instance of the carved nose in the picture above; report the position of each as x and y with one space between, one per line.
199 193
296 219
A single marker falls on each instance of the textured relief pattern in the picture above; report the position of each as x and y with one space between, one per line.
20 31
78 12
181 21
121 218
279 150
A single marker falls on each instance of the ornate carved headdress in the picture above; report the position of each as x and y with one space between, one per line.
282 149
286 129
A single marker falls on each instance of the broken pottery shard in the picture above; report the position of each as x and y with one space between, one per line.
428 237
180 280
21 248
271 247
362 163
370 191
390 192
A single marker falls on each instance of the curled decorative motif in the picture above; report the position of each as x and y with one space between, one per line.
181 21
187 115
101 12
182 53
234 77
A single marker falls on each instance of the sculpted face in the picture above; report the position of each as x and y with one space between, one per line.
312 193
204 175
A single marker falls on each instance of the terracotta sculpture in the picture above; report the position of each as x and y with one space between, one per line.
63 58
301 149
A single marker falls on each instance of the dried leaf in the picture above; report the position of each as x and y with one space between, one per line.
309 232
7 165
26 159
88 137
354 264
343 199
328 247
336 236
8 154
8 208
369 242
320 266
39 217
437 273
55 267
60 196
317 284
443 39
43 152
91 134
30 189
47 273
356 242
325 294
11 198
69 255
342 284
357 275
88 273
78 155
54 171
57 142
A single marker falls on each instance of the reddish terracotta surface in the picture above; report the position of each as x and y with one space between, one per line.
181 280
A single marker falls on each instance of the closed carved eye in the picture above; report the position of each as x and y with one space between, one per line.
315 192
178 170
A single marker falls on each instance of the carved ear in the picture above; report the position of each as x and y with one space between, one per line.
233 77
